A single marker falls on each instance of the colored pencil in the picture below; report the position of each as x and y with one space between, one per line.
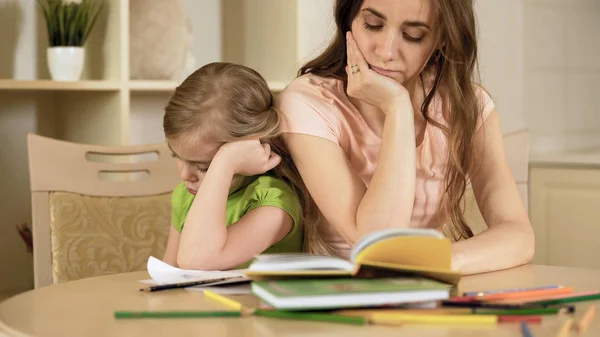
565 328
514 295
553 297
525 294
498 291
186 284
538 311
525 330
567 300
519 318
232 304
307 316
486 305
582 325
465 320
369 312
175 314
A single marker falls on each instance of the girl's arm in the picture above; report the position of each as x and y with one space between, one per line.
206 242
509 239
170 256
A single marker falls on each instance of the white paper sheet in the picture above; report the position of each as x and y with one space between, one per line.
164 273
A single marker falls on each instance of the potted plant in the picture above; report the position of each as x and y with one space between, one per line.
69 23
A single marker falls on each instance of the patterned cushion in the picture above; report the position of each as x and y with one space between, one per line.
94 236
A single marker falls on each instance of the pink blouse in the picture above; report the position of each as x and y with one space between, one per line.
318 106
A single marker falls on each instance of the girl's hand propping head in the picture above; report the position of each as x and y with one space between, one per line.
248 157
367 85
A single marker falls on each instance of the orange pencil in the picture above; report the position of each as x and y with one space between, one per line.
525 294
586 319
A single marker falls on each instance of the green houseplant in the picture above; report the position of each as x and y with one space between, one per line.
68 23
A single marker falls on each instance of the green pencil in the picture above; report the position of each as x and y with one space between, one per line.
312 317
567 300
175 314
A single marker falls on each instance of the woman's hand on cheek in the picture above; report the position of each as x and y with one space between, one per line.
367 85
247 157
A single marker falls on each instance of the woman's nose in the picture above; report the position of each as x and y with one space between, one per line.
389 48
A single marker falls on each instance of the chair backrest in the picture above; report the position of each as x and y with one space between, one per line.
516 148
97 210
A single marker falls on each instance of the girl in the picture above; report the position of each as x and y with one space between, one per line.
387 128
239 192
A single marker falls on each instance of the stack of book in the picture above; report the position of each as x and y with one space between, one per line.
395 267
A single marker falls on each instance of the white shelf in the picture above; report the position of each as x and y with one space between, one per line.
35 85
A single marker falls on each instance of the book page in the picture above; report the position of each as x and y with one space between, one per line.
373 237
299 261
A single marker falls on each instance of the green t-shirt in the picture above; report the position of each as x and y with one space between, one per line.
263 191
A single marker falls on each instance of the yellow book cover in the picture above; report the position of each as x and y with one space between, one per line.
400 251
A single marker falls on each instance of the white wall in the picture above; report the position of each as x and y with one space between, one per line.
315 27
501 58
539 59
562 73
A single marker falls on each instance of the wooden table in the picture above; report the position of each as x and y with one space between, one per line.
86 308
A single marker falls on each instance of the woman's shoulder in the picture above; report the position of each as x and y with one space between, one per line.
313 105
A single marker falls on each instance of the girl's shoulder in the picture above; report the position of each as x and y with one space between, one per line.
267 183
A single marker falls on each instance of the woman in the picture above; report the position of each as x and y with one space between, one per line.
387 128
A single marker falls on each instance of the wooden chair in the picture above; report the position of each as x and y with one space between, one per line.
97 210
516 148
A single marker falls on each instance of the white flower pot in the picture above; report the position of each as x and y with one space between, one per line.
65 63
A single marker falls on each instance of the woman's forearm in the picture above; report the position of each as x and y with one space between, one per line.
502 246
205 232
389 199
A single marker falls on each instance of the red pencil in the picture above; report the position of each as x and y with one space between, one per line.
519 318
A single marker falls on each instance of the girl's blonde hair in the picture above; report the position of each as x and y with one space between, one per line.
224 102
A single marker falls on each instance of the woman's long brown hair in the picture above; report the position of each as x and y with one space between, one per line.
225 102
453 68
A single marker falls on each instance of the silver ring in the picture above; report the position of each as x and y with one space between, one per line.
354 68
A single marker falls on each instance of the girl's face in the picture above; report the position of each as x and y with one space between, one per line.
396 37
193 157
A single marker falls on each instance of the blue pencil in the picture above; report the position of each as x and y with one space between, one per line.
525 330
500 291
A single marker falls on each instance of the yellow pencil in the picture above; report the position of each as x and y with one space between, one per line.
564 330
400 319
235 305
586 319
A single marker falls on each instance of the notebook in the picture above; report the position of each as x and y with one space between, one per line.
401 251
336 293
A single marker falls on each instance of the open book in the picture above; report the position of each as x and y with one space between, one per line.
404 251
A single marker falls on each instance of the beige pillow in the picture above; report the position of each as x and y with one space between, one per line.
159 41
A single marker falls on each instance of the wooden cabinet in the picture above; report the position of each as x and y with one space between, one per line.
564 200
